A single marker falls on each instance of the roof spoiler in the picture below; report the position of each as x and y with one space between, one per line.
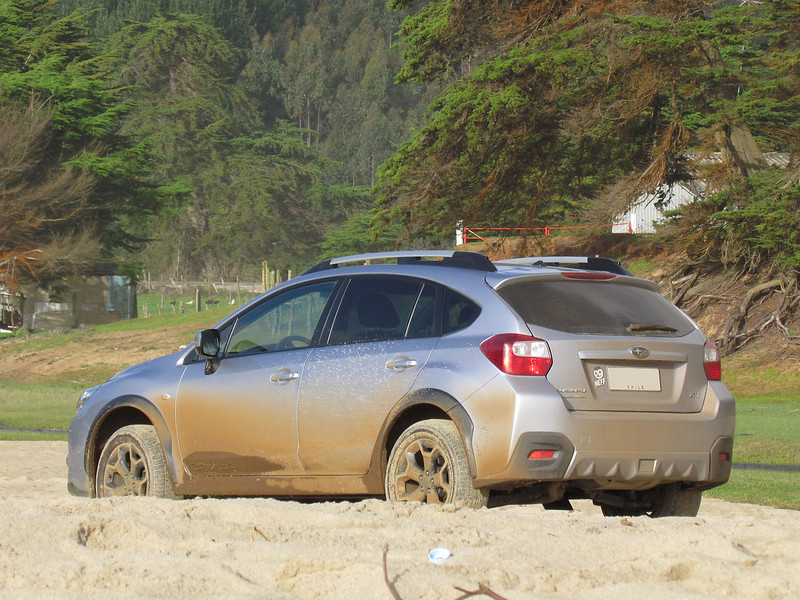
589 263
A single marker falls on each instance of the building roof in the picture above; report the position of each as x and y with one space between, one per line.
774 159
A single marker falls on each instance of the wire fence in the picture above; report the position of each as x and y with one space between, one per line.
470 234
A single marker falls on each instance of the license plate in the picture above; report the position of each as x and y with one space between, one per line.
632 379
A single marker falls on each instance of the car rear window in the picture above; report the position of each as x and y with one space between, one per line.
595 308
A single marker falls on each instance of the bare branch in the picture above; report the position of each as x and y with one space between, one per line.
481 591
389 584
732 329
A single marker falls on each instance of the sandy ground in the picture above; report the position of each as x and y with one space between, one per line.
55 546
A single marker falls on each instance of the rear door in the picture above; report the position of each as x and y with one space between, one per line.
382 335
617 344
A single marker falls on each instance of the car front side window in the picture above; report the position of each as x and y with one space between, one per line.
284 322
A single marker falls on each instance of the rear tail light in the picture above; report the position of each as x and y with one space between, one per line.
516 354
711 362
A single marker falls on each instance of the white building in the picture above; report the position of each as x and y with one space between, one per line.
648 210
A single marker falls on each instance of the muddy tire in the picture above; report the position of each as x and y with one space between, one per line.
428 464
668 500
132 464
672 501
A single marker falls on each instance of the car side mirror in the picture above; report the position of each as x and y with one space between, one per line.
206 343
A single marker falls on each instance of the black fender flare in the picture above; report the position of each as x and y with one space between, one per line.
150 413
434 402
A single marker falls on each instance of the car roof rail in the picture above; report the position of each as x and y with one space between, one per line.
438 258
589 263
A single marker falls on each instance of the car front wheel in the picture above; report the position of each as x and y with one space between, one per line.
428 464
132 464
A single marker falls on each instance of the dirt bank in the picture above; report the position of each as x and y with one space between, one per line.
92 358
56 546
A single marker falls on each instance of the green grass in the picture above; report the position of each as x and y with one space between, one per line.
37 406
768 433
190 320
768 430
768 488
155 305
641 266
204 318
757 373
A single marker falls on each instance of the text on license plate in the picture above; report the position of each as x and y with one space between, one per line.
632 379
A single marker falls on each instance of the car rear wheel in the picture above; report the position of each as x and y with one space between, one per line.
668 500
132 464
428 464
672 501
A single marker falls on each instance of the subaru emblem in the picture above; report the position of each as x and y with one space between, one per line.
640 352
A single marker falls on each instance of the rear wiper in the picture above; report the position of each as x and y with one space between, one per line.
650 327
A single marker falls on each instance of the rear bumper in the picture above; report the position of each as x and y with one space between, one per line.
603 450
617 469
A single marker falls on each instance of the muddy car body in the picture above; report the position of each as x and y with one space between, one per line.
440 377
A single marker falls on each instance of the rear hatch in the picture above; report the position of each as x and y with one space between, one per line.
616 343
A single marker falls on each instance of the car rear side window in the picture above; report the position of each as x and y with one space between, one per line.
375 309
595 308
459 311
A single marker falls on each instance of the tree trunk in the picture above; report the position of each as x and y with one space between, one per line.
739 149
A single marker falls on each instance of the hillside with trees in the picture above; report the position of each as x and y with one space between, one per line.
198 139
257 128
564 112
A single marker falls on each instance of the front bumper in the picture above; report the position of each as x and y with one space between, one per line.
79 482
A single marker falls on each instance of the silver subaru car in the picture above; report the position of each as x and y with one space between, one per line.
438 377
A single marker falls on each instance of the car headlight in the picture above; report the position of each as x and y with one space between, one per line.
87 393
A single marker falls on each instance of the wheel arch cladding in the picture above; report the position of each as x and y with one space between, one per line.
127 410
428 404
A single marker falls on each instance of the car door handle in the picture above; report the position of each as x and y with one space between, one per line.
283 376
401 362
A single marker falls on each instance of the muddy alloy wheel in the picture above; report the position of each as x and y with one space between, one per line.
428 464
132 464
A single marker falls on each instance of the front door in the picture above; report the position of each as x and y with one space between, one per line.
241 420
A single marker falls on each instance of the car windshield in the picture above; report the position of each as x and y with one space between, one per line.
595 308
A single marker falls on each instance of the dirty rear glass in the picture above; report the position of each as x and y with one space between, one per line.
595 308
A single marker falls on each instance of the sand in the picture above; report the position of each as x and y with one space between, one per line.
53 545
